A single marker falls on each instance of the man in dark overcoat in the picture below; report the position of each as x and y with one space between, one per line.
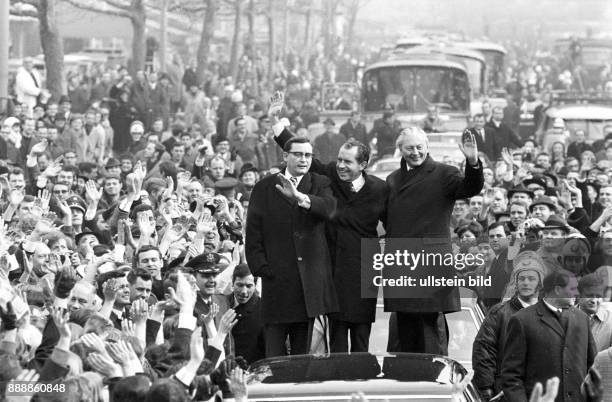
422 193
287 248
361 206
549 339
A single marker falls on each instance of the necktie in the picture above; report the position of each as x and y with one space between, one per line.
353 189
294 181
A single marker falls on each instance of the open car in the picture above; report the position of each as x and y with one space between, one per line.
381 377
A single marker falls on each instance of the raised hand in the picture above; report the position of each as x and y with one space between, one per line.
39 147
469 147
8 316
45 197
61 318
146 227
92 193
121 352
227 322
140 311
238 384
277 102
287 188
212 313
104 365
109 290
127 327
94 342
65 279
185 295
206 223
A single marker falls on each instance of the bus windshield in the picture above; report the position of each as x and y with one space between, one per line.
413 88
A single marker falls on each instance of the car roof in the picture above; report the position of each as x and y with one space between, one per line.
483 46
580 112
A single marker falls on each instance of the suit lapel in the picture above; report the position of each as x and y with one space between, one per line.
305 184
415 176
547 317
278 192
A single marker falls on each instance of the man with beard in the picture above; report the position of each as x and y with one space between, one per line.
591 289
488 349
361 206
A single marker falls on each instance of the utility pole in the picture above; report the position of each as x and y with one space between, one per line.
4 54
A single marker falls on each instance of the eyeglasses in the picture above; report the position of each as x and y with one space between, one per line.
301 155
60 191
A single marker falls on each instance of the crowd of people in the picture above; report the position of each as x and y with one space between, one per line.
160 234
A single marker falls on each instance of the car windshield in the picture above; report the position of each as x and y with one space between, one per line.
413 89
594 129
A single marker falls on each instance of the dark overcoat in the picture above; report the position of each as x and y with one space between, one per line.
356 218
538 348
287 248
419 208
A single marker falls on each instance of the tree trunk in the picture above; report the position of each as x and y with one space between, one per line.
308 18
235 55
251 51
139 40
352 19
53 49
271 43
208 31
285 30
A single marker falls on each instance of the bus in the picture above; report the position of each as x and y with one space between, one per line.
412 85
494 55
473 61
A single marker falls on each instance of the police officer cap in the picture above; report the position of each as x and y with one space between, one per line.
205 264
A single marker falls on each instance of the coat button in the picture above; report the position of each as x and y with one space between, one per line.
299 258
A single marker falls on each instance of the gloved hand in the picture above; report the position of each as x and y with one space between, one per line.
8 316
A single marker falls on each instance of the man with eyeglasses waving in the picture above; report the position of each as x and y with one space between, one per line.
287 248
362 201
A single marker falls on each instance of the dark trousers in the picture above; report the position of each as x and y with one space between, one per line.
418 333
299 333
339 336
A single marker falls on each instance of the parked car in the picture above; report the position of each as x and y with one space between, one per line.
590 117
381 377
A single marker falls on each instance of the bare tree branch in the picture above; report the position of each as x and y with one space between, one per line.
97 9
117 4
